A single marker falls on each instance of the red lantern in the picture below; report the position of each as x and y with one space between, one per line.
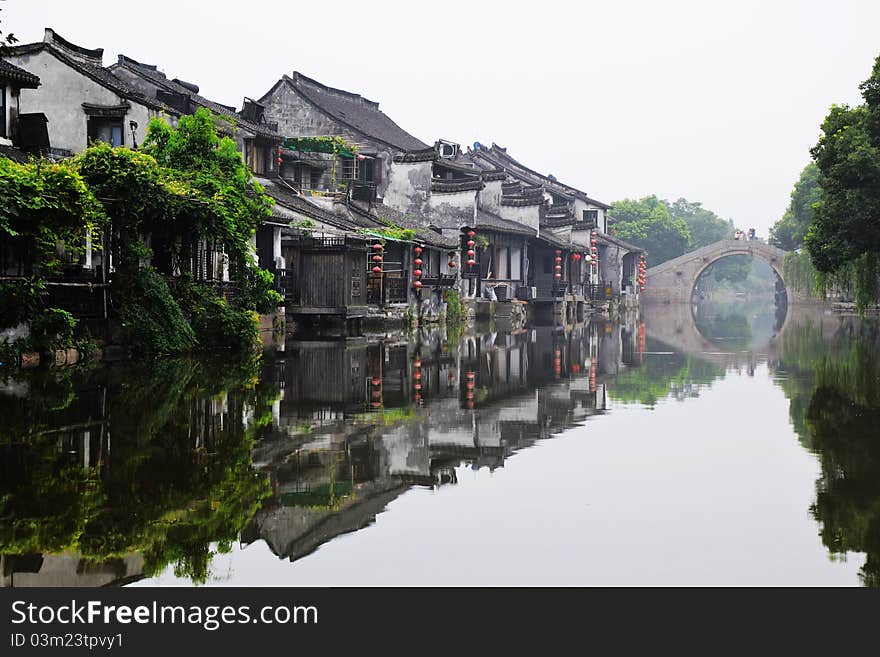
471 263
452 264
558 275
377 247
279 160
417 273
377 258
471 243
418 285
417 363
417 375
472 253
418 386
471 233
417 250
558 267
558 252
376 382
418 262
377 270
558 259
470 375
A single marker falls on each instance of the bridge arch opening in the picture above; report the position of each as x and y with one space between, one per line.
739 300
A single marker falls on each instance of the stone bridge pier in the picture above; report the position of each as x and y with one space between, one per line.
673 281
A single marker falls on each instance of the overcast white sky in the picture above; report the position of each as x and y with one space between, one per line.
718 102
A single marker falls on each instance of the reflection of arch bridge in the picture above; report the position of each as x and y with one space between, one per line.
674 326
673 281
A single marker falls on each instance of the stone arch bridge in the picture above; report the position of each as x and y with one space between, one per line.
673 281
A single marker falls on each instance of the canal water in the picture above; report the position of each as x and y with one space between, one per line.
723 444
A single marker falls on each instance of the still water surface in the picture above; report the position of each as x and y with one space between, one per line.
707 446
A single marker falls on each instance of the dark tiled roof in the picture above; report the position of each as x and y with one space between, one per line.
440 185
18 75
354 111
386 215
424 155
487 220
605 238
99 74
551 239
301 204
498 156
151 73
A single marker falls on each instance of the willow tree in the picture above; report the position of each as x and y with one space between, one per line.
844 239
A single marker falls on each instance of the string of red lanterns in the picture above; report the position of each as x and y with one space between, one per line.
417 380
558 266
469 395
417 272
471 252
377 258
642 271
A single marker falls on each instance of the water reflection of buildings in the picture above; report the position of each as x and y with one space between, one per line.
126 470
360 423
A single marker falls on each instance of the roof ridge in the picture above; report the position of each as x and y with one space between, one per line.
340 92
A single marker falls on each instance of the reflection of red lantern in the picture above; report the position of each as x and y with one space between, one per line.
418 375
377 258
377 270
418 285
418 386
417 397
417 272
376 404
376 382
471 243
417 363
417 250
418 262
470 405
470 375
471 263
377 394
377 247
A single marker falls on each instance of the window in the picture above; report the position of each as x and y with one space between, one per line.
365 170
515 263
3 132
548 267
591 218
108 130
502 254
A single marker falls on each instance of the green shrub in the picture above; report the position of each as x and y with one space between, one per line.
152 322
52 329
255 291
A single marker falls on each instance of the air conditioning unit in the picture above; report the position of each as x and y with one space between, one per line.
363 191
447 149
526 293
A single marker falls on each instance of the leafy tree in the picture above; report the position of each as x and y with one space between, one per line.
845 235
6 42
789 232
705 226
648 223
